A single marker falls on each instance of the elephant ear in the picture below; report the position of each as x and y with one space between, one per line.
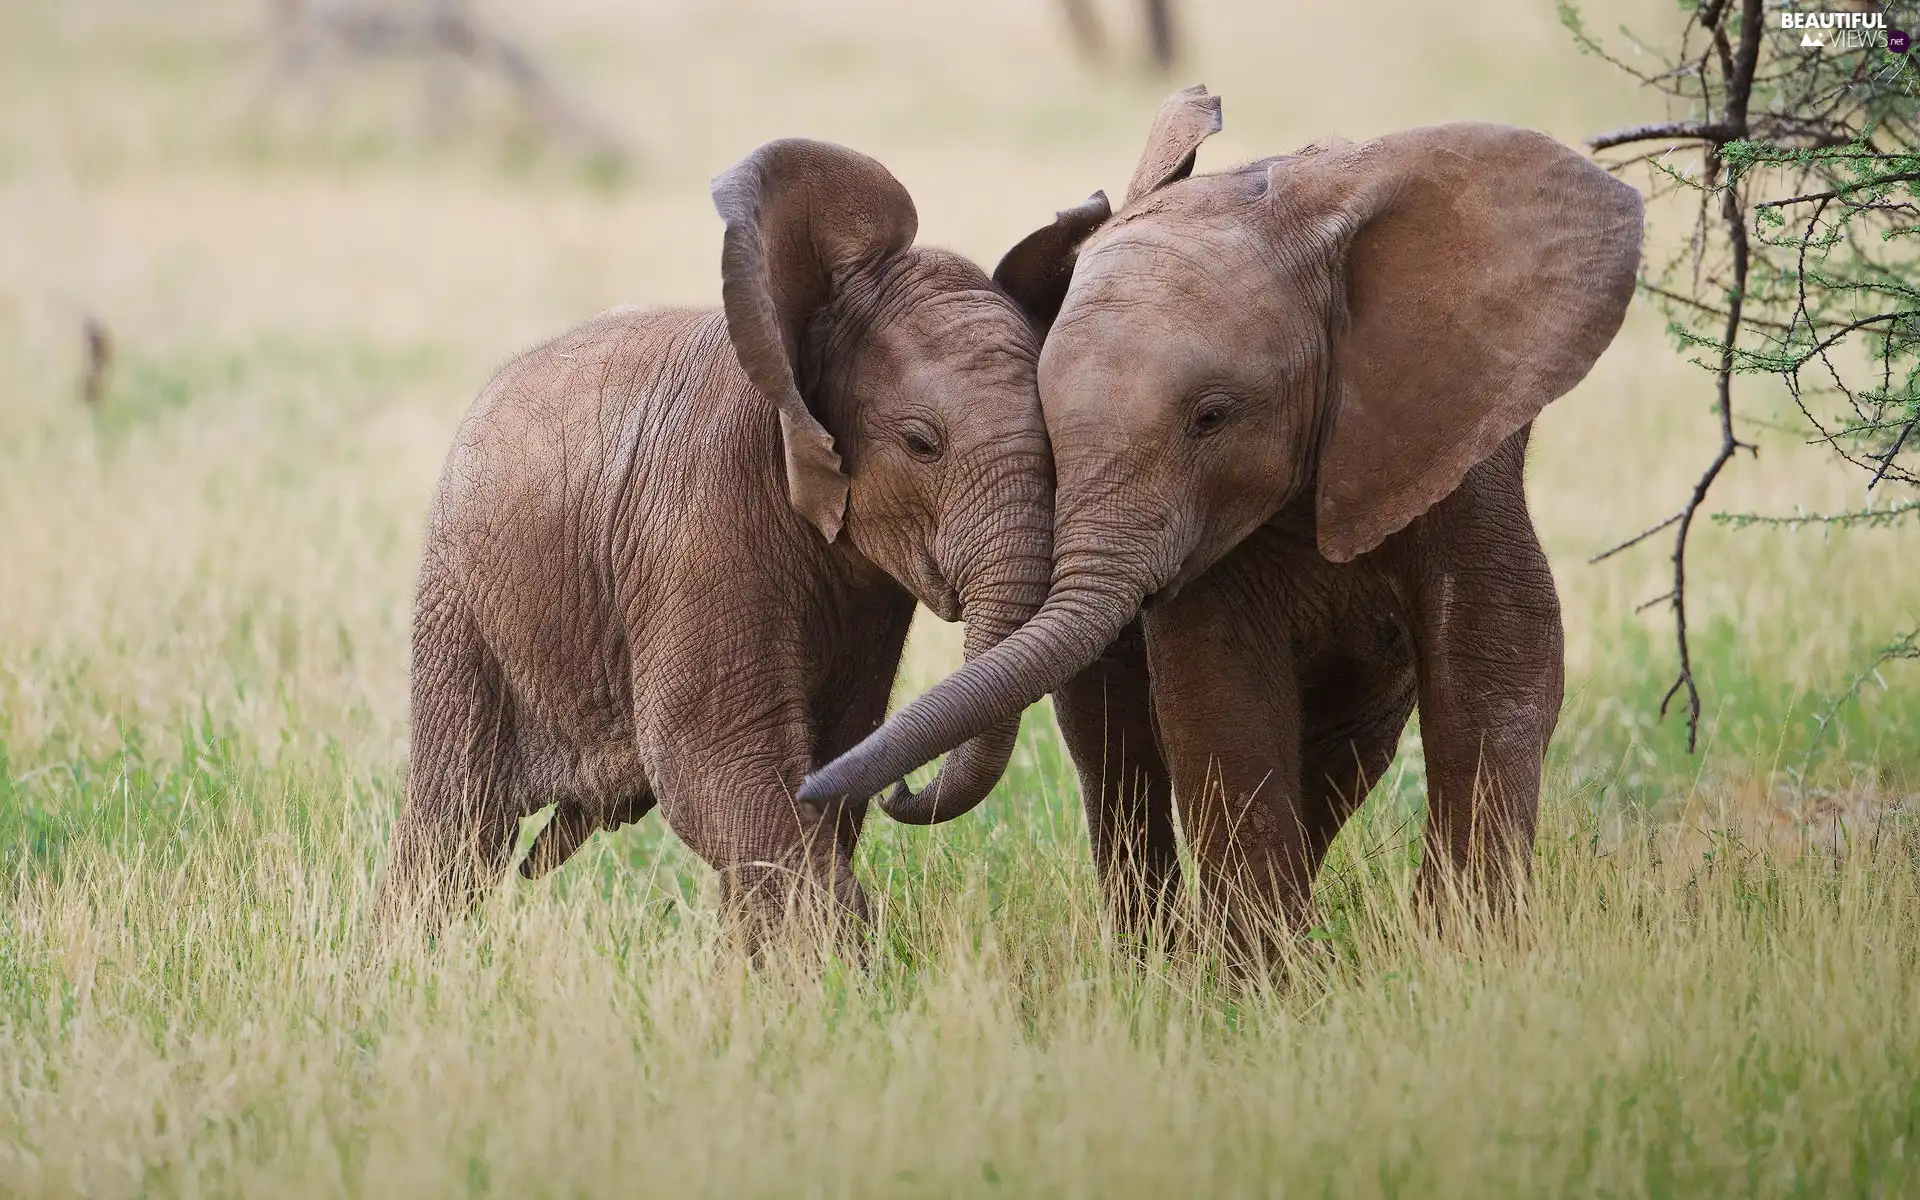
801 217
1036 271
1189 117
1486 269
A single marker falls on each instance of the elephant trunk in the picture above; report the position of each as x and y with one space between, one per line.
1002 588
975 766
1092 598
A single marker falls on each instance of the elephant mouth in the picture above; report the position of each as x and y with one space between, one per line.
944 603
930 587
1160 597
1182 576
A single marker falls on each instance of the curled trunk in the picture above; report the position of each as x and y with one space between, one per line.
973 768
1003 595
1089 604
1001 555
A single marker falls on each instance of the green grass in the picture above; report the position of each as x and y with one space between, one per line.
186 978
1757 721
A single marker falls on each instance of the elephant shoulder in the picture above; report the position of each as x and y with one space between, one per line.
1485 517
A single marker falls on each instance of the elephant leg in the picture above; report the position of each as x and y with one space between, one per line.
727 791
1106 716
1228 707
1491 661
1345 749
465 793
784 870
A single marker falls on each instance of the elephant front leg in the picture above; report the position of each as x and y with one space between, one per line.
1491 675
726 788
1228 707
1106 718
785 867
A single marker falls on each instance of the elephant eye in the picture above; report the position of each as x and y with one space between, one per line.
1213 415
921 442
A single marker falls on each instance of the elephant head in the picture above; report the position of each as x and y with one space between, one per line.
1365 321
905 383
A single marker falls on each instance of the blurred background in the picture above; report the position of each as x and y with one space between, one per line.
257 257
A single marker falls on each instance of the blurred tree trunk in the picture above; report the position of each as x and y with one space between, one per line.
453 41
1090 38
1160 32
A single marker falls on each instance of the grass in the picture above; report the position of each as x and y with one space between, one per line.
204 593
191 1007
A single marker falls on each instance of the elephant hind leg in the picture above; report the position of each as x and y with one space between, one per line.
456 832
1345 750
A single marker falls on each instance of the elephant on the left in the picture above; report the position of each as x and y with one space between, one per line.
674 554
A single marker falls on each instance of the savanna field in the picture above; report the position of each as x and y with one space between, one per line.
205 588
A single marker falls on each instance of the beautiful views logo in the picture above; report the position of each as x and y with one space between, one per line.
1844 30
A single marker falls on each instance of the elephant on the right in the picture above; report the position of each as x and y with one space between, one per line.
1289 406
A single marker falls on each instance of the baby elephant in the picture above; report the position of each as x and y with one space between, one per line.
674 554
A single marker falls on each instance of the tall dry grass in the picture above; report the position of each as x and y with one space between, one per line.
203 1016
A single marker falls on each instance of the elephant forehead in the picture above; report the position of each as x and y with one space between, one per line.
1216 280
977 340
1118 389
1128 351
978 324
1165 258
1178 306
1147 321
